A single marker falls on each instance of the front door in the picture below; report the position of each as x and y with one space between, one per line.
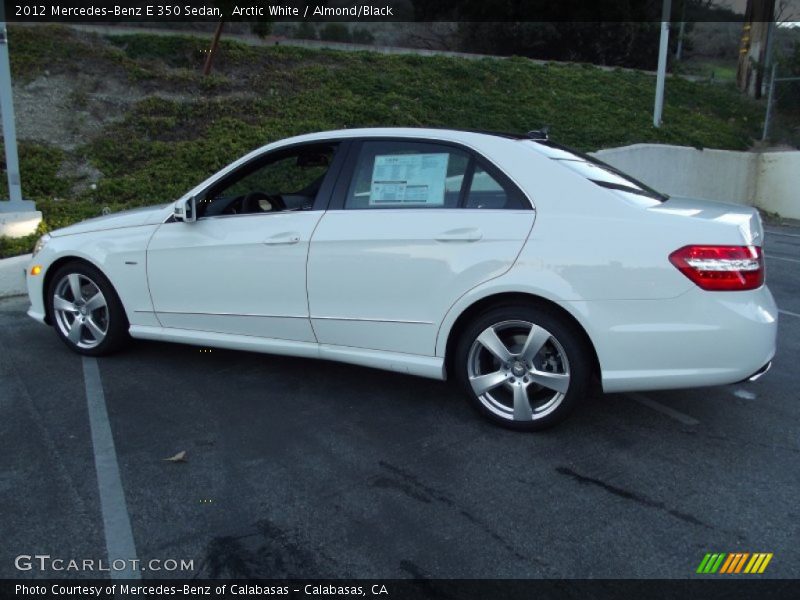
241 267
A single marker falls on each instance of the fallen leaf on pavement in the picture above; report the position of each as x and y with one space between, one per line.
179 457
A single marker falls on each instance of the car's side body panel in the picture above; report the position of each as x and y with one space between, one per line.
120 255
687 341
604 259
411 364
238 274
382 279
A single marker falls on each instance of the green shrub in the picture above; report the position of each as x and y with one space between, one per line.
161 147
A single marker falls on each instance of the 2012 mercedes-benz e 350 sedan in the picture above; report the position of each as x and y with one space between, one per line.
512 265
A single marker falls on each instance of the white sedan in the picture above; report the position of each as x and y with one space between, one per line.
510 264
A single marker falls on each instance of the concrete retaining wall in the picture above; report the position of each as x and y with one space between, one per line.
768 180
12 275
778 183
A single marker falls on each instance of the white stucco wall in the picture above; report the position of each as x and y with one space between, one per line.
769 180
683 171
18 224
12 275
778 183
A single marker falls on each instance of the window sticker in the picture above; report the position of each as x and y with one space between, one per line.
408 179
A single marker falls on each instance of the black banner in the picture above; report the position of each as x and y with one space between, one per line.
129 11
717 588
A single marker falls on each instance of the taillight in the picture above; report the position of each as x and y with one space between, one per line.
721 268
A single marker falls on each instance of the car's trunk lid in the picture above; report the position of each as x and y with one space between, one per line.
745 218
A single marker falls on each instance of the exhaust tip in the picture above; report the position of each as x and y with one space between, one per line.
760 373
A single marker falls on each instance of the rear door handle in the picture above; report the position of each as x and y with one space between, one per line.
283 239
466 234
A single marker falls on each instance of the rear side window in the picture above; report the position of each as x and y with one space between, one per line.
410 174
597 171
486 192
407 175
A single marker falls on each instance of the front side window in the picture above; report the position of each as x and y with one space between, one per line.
283 181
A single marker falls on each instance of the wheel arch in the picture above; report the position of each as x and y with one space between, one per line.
52 269
512 298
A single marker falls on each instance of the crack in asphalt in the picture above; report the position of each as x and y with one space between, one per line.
410 485
270 552
428 586
633 496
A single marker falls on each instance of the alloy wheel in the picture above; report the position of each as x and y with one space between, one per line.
80 310
518 370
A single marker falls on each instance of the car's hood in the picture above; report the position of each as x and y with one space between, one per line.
146 215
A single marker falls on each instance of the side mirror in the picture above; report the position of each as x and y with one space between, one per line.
186 210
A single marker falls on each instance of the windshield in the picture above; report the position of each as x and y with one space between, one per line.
597 171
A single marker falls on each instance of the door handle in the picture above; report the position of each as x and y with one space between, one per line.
467 234
282 239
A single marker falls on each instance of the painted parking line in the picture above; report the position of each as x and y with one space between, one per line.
788 312
794 260
116 521
663 409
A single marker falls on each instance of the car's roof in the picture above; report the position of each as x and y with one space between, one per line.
455 135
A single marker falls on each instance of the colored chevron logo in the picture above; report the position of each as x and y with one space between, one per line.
734 562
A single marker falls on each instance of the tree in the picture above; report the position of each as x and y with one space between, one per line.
261 26
759 15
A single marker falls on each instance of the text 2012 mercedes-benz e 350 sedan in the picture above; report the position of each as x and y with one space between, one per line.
510 264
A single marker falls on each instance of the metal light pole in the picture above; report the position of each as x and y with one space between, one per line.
662 64
771 99
768 116
681 32
9 130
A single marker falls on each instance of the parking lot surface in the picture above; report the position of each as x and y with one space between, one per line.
315 469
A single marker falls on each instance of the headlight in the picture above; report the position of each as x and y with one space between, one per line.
41 243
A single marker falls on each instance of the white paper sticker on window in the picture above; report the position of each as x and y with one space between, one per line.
403 179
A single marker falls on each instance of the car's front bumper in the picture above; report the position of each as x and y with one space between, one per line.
38 316
35 285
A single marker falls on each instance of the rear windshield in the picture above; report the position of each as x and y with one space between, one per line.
597 171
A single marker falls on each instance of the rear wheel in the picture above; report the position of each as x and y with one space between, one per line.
523 366
86 311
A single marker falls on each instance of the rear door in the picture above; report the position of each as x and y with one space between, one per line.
413 225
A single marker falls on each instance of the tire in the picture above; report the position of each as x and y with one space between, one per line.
85 310
518 379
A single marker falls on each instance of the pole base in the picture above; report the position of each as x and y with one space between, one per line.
18 219
10 206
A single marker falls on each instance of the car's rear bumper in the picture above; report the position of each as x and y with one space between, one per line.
758 374
697 339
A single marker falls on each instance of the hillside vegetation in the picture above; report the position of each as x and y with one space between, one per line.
127 120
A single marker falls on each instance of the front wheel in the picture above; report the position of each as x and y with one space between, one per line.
86 311
524 367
